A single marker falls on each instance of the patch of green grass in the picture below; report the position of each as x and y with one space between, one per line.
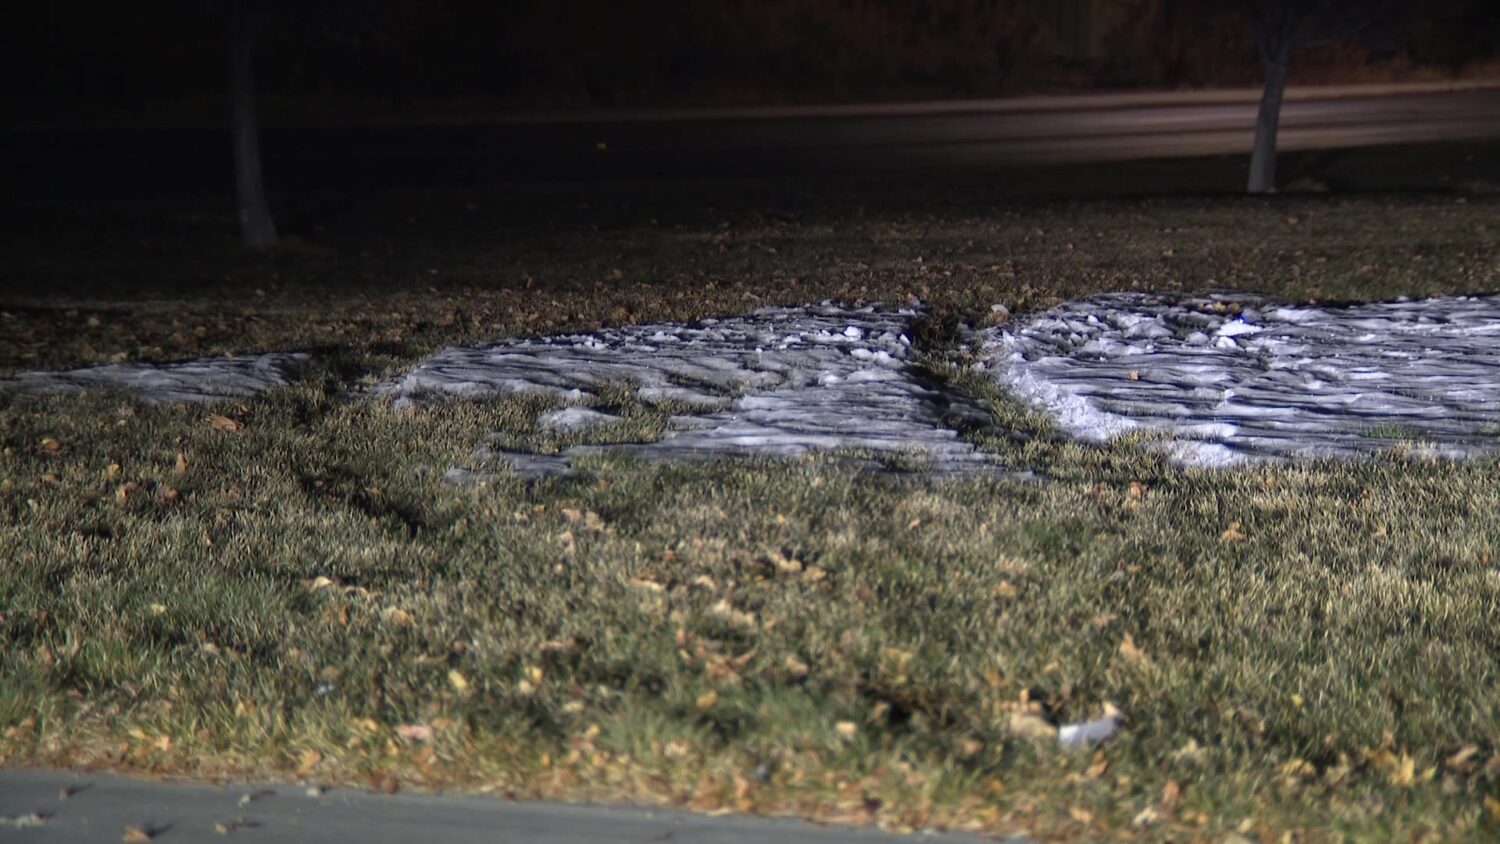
1392 432
759 635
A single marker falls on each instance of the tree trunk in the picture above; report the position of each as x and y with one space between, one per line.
1278 59
257 228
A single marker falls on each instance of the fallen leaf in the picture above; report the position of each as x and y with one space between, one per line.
739 618
1170 794
31 819
786 565
396 616
414 732
1097 766
796 669
1029 726
307 761
49 445
1145 818
136 834
1492 805
1082 815
1404 773
1129 651
459 682
648 585
1460 760
707 700
181 465
222 423
1232 534
846 730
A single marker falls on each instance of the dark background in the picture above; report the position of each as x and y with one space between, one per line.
337 61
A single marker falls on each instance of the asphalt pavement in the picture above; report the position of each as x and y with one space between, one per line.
54 807
799 142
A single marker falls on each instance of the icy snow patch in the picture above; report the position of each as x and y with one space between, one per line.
783 382
574 419
205 379
1237 378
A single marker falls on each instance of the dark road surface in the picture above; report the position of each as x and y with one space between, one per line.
102 807
804 142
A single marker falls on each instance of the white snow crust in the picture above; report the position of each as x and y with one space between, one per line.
783 382
1236 378
206 379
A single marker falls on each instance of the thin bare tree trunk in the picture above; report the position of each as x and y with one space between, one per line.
1278 59
257 228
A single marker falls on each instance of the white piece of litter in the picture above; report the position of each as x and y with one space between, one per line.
1094 731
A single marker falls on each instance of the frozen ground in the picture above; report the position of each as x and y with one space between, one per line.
1237 378
782 382
206 379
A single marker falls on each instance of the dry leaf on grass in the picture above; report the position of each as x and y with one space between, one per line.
396 617
49 445
739 618
308 761
458 681
796 669
414 732
1029 726
846 730
220 422
1170 794
707 700
1129 651
1233 534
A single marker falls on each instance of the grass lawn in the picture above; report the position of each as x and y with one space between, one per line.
1310 649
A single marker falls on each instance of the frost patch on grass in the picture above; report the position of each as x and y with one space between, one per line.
205 379
782 382
1235 378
